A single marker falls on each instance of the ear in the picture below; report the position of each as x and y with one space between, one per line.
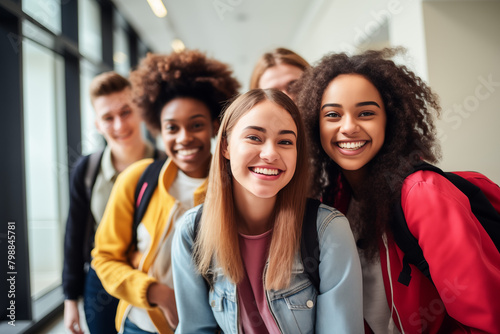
215 127
98 127
224 148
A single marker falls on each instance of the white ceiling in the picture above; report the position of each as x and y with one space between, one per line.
233 31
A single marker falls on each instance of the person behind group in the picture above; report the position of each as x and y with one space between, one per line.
248 244
369 122
180 94
280 69
119 122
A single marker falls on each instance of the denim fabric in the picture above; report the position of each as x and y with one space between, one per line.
130 328
99 306
299 308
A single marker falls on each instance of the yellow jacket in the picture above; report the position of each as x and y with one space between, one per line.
114 235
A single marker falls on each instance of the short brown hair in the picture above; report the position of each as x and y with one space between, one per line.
107 83
273 58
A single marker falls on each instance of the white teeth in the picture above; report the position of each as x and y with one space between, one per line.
266 171
351 145
187 152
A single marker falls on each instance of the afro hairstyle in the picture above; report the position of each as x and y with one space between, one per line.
188 74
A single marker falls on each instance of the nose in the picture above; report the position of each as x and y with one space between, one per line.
184 137
117 123
349 125
269 152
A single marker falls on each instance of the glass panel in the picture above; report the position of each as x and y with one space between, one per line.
89 26
46 12
121 48
46 166
91 139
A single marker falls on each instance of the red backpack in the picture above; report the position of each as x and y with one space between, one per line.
484 199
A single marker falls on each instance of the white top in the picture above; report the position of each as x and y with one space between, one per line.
375 307
181 189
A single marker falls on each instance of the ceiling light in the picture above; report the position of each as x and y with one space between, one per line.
178 45
158 8
119 57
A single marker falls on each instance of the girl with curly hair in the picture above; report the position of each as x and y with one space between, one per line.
369 122
243 271
181 95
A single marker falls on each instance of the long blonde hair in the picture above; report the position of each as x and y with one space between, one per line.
218 232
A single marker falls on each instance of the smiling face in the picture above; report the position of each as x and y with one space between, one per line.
262 151
352 121
186 130
280 77
117 119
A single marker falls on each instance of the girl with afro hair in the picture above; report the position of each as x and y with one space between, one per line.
370 122
181 96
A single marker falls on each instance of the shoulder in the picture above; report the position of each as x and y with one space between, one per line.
331 220
135 170
427 185
185 227
79 167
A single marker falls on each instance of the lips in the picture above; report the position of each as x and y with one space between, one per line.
123 136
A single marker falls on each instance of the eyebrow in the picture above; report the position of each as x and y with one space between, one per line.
190 118
260 129
360 104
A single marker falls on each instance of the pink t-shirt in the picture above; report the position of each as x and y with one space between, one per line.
255 316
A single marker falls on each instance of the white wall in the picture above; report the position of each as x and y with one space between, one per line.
463 57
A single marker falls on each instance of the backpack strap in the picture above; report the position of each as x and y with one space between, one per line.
94 161
309 243
143 192
405 239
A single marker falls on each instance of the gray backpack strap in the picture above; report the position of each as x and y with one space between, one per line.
92 170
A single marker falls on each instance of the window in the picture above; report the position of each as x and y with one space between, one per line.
46 164
47 12
89 29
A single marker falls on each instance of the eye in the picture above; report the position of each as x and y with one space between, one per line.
198 125
366 113
286 142
332 114
108 119
170 128
126 112
253 138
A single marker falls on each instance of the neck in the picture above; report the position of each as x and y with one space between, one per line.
123 157
254 214
355 178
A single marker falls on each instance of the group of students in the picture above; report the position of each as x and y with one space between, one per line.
345 131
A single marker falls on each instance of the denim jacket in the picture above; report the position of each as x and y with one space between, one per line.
299 308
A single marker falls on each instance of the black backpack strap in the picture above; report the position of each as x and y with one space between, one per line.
309 243
405 239
93 163
143 192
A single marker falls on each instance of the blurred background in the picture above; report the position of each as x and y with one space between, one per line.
51 49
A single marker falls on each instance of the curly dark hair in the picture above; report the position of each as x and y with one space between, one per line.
161 78
410 135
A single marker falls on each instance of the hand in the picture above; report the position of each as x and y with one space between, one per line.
72 317
164 297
